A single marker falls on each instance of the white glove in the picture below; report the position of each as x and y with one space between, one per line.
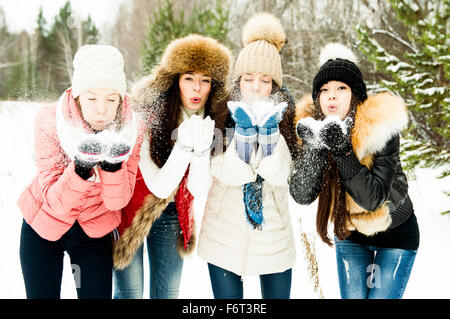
202 133
184 135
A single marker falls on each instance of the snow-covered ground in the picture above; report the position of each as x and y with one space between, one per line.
429 277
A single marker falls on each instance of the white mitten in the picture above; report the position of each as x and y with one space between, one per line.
184 135
203 134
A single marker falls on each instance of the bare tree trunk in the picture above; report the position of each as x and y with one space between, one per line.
66 50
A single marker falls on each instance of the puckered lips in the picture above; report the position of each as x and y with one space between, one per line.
332 108
195 100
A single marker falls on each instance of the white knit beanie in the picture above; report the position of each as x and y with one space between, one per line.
98 67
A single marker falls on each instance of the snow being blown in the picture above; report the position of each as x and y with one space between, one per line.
260 110
316 126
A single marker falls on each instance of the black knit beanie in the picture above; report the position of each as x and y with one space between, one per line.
340 69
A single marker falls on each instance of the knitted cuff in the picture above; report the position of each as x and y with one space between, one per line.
268 130
402 213
82 171
110 167
202 153
268 142
269 138
184 147
246 132
348 165
245 145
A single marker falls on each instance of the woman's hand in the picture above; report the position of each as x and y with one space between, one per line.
335 134
90 151
202 133
243 117
272 118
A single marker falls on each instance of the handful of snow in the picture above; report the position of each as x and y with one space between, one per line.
260 111
344 124
316 126
108 143
109 137
260 108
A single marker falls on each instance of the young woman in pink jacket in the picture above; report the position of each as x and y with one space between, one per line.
87 154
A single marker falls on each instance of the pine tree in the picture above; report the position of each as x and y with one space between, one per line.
210 22
164 28
44 56
90 33
168 25
39 66
57 44
420 75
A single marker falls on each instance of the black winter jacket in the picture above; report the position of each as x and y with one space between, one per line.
377 189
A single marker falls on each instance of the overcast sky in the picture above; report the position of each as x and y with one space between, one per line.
22 14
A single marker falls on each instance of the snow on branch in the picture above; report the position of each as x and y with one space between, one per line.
295 79
395 37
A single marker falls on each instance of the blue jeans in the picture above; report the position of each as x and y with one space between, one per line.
227 285
164 262
370 272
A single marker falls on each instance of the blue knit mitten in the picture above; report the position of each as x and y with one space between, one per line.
268 128
246 130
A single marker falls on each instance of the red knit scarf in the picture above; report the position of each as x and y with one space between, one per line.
184 204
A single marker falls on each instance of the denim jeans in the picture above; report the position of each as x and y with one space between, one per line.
165 264
42 263
370 272
227 285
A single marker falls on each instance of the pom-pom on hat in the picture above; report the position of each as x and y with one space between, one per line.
339 63
98 66
263 38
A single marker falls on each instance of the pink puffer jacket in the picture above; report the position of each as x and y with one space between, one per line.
57 196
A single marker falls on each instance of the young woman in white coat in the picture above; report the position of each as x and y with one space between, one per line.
246 228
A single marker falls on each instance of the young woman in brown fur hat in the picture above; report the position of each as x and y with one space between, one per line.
246 228
179 100
350 159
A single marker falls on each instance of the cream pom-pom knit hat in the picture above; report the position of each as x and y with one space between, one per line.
263 38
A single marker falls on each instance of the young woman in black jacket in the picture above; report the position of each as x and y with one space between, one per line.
350 160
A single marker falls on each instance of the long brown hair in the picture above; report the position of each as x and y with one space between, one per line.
332 205
164 114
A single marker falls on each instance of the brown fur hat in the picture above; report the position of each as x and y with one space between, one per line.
191 53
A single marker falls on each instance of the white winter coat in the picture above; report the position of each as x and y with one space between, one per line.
226 237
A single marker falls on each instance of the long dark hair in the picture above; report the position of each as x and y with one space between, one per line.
164 116
332 204
287 126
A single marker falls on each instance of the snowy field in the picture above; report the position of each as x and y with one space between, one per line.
429 277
